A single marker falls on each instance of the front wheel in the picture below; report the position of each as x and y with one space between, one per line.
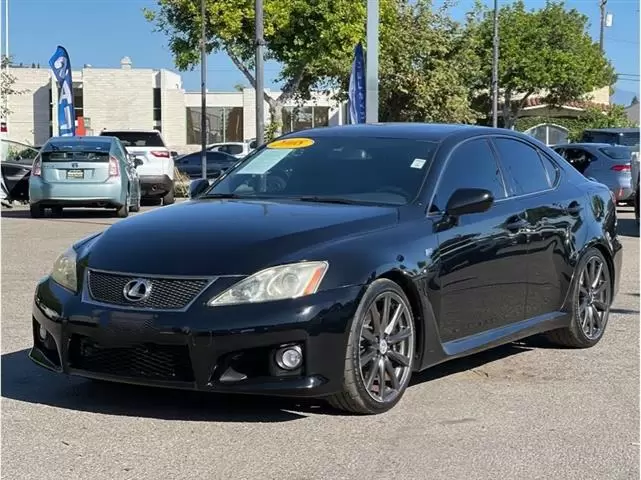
136 207
123 212
591 299
380 350
36 211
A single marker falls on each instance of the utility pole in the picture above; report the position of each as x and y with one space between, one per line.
602 5
203 90
260 75
371 63
495 67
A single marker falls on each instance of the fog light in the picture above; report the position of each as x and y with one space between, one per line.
42 332
289 358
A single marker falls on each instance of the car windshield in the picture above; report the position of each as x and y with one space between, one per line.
617 153
335 169
137 139
76 151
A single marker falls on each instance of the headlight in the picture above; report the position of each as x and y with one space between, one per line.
64 270
276 283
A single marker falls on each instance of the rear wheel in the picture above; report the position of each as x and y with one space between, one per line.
380 349
168 199
123 212
591 298
136 206
36 211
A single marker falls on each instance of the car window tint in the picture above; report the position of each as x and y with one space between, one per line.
231 149
137 139
522 166
355 169
471 165
617 153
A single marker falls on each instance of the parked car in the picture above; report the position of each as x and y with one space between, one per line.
628 137
217 163
634 174
16 169
237 149
608 164
383 250
93 172
157 169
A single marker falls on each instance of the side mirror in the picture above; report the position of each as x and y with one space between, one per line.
137 161
196 187
174 153
252 144
469 200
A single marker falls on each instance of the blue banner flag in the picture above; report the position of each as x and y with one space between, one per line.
357 87
61 68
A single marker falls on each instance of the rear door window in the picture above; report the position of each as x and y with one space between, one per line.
522 166
231 149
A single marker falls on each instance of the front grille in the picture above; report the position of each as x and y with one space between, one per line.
166 293
149 361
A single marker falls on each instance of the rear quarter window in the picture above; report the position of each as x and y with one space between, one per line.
615 153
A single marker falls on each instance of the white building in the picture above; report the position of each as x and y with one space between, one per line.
138 98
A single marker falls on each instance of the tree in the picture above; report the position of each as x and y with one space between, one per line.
546 52
7 86
425 66
312 39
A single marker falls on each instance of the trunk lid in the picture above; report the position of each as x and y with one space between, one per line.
76 164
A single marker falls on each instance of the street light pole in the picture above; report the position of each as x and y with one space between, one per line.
371 64
495 68
203 91
602 5
260 75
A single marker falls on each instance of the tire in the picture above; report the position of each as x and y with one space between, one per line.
364 343
57 211
169 199
123 212
636 206
584 297
36 211
136 207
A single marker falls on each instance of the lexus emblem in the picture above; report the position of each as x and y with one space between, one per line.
137 290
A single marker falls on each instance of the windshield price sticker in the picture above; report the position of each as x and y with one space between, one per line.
291 143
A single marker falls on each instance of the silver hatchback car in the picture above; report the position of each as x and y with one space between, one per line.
93 172
607 164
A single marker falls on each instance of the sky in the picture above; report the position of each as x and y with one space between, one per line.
101 32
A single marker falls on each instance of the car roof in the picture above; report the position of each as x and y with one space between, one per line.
612 130
589 145
81 139
435 132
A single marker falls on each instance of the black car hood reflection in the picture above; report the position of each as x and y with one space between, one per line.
227 237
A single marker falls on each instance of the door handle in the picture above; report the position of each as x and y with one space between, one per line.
574 208
516 224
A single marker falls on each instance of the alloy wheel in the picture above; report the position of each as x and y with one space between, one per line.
386 347
594 298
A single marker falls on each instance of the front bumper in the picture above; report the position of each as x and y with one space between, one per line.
155 185
222 349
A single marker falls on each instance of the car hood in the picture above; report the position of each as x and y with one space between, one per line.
227 237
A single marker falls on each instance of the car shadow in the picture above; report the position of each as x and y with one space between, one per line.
78 215
23 381
628 227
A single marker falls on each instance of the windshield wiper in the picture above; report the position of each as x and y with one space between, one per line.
338 200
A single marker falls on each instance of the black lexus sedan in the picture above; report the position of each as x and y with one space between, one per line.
334 263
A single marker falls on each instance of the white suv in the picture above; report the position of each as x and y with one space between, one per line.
157 170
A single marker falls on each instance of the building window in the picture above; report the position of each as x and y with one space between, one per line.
157 105
224 124
78 103
300 118
549 133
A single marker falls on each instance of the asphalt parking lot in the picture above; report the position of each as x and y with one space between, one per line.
517 412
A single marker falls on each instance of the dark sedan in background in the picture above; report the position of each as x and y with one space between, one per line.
374 252
217 162
16 168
